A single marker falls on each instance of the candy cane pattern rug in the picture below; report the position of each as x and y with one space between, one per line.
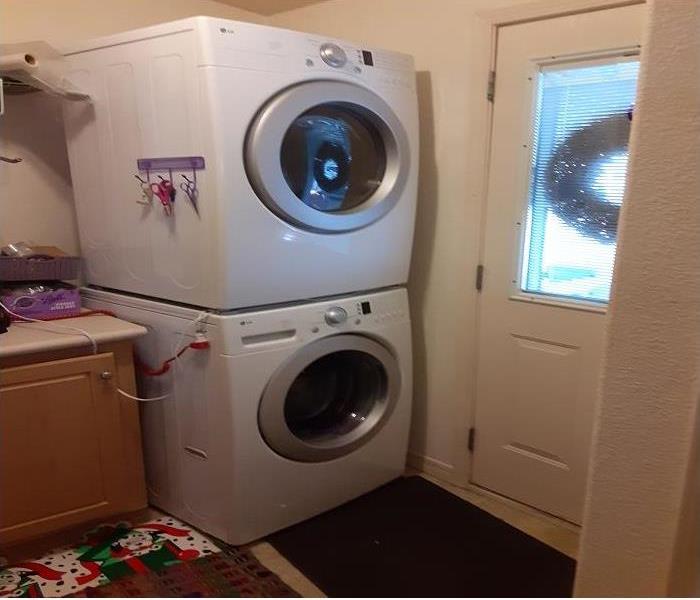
106 554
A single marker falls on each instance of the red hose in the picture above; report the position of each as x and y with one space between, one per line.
165 367
198 344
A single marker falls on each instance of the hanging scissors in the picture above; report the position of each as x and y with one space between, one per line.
166 194
146 192
189 186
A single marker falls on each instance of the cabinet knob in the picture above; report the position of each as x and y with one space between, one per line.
106 375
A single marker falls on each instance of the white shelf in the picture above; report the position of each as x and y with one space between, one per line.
39 65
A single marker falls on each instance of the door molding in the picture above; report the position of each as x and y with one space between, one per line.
548 9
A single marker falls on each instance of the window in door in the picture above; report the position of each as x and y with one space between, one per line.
582 121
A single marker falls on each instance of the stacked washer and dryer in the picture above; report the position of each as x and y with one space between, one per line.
293 161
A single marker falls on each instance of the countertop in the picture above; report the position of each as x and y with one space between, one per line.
26 338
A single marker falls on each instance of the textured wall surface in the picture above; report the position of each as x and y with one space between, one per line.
36 197
647 416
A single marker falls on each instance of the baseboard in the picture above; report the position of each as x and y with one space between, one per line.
433 467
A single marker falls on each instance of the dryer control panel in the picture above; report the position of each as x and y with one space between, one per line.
340 56
248 45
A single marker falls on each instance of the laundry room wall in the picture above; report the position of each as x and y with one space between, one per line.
36 197
640 527
451 43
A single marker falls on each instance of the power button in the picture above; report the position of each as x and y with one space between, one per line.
333 55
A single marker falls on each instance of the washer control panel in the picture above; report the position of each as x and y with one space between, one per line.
297 324
333 55
360 311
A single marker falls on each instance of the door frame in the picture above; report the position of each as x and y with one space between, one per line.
495 19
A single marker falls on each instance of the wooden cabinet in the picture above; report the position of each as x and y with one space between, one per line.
70 445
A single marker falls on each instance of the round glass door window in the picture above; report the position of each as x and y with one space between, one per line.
333 157
334 395
327 156
329 399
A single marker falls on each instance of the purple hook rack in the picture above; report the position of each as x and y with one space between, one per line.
176 163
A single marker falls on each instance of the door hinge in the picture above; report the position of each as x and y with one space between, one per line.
479 277
470 439
491 86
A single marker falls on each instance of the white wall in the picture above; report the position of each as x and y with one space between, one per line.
640 529
451 46
36 198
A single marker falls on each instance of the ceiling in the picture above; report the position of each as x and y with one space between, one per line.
269 7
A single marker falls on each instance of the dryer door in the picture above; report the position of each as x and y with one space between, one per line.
327 156
330 398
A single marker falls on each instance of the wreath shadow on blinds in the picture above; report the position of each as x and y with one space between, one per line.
579 165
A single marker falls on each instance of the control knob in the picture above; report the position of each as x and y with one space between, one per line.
336 315
333 55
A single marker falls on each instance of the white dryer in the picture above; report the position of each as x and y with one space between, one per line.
290 412
309 149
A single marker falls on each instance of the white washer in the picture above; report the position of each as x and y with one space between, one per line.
291 412
311 158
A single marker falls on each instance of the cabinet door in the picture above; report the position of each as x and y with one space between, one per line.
60 445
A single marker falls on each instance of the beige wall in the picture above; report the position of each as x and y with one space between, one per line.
640 535
61 21
36 198
451 46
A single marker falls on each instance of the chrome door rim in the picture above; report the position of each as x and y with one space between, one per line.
271 418
264 141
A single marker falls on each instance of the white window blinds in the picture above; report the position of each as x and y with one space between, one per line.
579 164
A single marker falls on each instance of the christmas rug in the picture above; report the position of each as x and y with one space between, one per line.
163 557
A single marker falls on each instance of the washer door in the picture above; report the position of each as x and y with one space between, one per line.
330 398
327 156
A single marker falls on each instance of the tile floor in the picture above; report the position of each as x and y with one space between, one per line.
557 533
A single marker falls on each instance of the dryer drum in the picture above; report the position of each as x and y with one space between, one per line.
571 173
331 167
333 157
334 395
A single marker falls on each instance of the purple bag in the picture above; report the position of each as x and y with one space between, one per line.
42 301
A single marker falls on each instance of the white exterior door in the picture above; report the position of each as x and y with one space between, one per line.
563 107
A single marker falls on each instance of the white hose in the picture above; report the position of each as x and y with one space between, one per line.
123 393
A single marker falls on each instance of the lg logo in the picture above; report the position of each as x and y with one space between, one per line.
224 30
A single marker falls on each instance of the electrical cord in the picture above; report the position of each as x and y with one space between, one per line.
123 393
48 327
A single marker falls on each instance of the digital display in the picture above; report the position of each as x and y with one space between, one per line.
367 58
366 308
